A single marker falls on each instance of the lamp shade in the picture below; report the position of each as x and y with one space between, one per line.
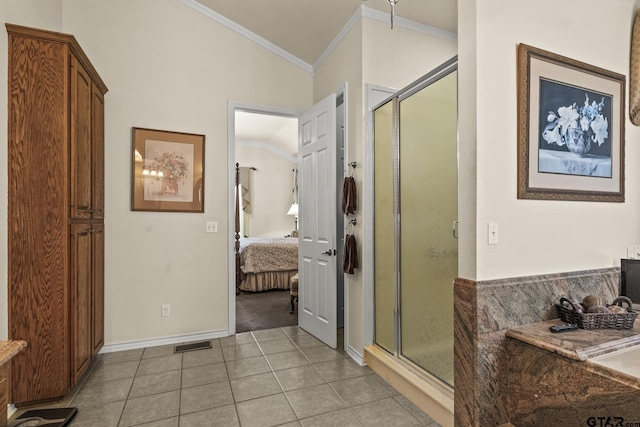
293 210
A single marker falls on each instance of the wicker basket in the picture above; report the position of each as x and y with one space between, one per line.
568 314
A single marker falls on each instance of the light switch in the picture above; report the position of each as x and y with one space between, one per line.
212 227
492 237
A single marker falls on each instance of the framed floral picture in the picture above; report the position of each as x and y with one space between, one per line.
167 171
570 129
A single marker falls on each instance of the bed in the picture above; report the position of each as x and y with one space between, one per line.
262 263
267 263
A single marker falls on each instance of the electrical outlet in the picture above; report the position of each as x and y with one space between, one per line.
212 227
166 310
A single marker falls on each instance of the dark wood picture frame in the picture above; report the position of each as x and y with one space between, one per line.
559 97
167 171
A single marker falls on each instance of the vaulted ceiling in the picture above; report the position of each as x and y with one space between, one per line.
305 28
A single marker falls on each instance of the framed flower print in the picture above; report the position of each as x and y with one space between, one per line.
167 171
570 129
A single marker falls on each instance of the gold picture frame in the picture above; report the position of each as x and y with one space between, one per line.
167 171
634 73
571 118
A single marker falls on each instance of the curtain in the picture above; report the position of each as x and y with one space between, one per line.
245 184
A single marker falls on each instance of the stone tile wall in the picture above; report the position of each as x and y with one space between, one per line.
484 311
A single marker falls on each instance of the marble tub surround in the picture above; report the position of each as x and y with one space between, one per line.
547 389
509 303
581 344
483 313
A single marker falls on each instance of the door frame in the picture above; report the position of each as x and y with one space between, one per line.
374 96
232 107
440 71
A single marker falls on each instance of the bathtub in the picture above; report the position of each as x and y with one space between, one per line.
626 361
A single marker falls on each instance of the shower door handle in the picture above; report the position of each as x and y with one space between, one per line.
455 229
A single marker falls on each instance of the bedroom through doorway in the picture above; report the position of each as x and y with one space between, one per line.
262 150
265 147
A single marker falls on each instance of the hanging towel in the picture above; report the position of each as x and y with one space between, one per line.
350 254
349 196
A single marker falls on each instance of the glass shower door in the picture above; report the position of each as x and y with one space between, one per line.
384 237
428 210
415 202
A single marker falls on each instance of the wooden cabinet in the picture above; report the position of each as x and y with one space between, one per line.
97 153
97 288
81 348
55 211
87 295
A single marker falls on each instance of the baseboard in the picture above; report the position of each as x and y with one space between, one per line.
357 357
176 339
434 399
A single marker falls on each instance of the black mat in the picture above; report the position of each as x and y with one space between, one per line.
54 417
264 310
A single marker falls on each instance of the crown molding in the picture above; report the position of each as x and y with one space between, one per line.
357 15
361 12
377 15
226 22
408 24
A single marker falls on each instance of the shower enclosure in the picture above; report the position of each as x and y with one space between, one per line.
415 222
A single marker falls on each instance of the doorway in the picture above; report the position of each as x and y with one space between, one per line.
415 223
263 143
235 147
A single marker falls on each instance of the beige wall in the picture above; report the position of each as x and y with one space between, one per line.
538 237
32 13
271 192
169 67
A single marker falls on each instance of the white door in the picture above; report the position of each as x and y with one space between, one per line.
317 213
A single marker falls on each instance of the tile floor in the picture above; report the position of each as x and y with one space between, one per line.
272 377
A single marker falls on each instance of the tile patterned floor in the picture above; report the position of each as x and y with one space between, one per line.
273 377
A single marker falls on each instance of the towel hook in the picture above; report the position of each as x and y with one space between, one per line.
352 165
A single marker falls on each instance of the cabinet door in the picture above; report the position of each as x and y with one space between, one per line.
97 290
81 100
81 265
97 155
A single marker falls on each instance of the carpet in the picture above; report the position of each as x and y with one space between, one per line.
264 310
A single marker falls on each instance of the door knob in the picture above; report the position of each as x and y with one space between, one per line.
330 252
